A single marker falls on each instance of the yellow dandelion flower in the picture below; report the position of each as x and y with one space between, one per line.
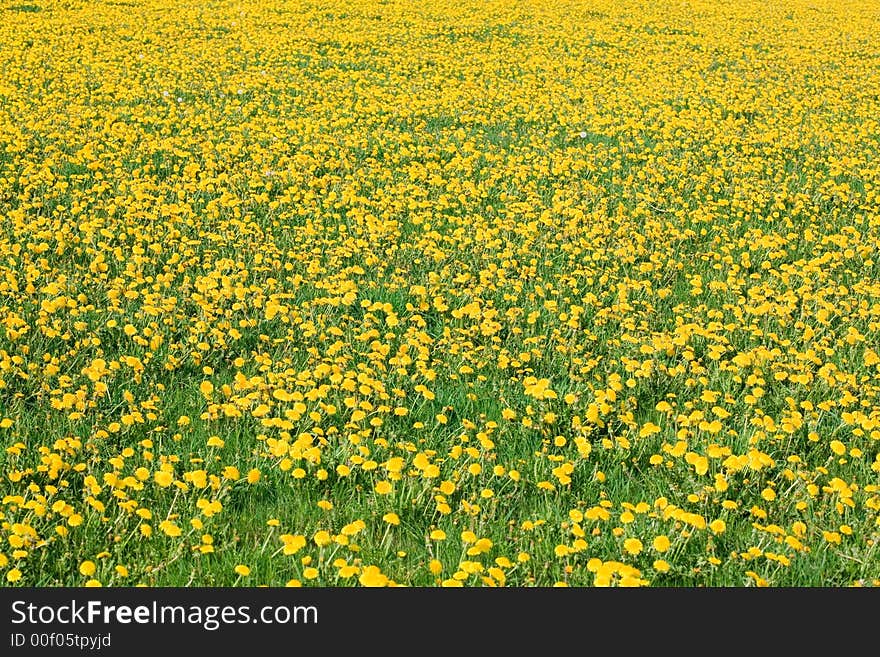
169 528
661 543
648 429
373 577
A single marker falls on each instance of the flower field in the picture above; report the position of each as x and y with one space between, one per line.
497 293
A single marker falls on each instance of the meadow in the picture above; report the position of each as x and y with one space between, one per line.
496 293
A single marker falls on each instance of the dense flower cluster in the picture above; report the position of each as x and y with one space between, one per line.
465 293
